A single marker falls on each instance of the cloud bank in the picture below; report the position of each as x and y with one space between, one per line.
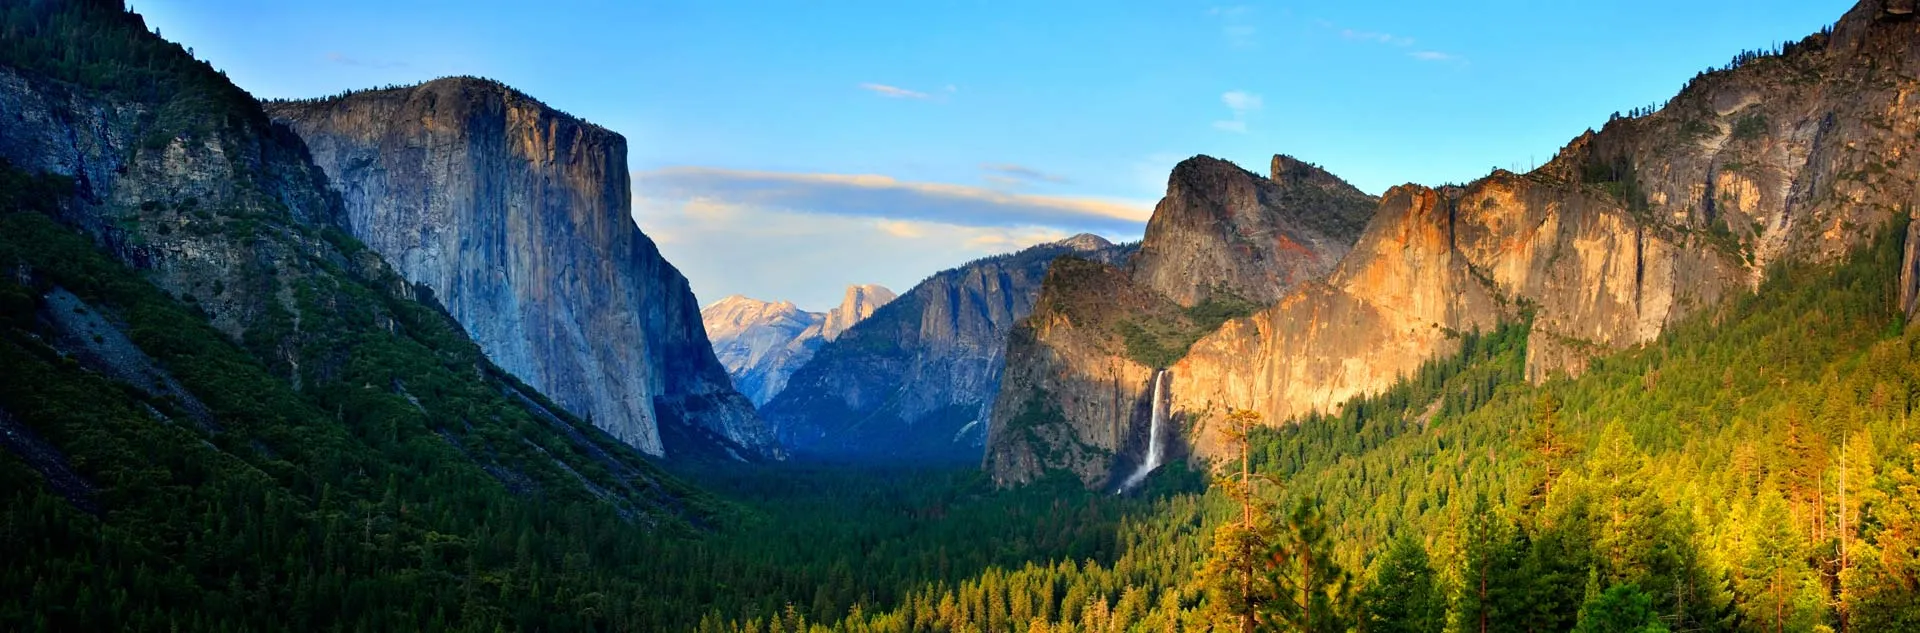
804 237
883 197
1019 175
726 249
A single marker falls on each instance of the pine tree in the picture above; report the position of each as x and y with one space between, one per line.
1238 592
1771 572
1620 609
1482 604
1884 594
1549 448
1312 592
1403 596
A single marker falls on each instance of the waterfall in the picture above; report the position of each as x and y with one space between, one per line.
1159 408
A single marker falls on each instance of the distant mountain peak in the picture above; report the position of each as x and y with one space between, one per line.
1086 242
761 343
858 304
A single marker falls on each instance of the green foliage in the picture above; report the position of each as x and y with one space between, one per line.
1621 609
1160 342
1750 127
99 45
1619 177
1403 595
1691 469
1313 592
1757 468
295 497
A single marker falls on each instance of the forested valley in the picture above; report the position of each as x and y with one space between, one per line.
302 439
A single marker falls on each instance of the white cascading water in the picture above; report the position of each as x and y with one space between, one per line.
1159 409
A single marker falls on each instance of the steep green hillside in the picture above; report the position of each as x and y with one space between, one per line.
1755 468
214 399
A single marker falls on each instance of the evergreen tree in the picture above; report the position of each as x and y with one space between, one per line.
1620 609
1312 592
1484 601
1239 592
1549 448
1771 572
1403 595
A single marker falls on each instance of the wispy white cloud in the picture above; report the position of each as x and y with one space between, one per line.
1236 26
1016 175
1390 39
1241 103
897 92
1376 37
342 59
902 228
726 248
1437 56
884 197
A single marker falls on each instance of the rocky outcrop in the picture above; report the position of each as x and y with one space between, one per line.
1221 228
517 217
1798 157
1072 394
917 379
761 343
1223 242
858 304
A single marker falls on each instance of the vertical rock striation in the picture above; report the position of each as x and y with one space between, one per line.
517 218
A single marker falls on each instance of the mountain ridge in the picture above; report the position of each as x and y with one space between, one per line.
1795 156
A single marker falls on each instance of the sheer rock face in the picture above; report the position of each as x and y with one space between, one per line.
1797 158
917 379
1221 227
761 343
1221 234
517 218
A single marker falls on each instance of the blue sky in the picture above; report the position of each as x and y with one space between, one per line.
784 150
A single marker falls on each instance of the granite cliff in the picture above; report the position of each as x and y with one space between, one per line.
185 279
517 218
917 379
1222 229
1222 243
761 343
1797 155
